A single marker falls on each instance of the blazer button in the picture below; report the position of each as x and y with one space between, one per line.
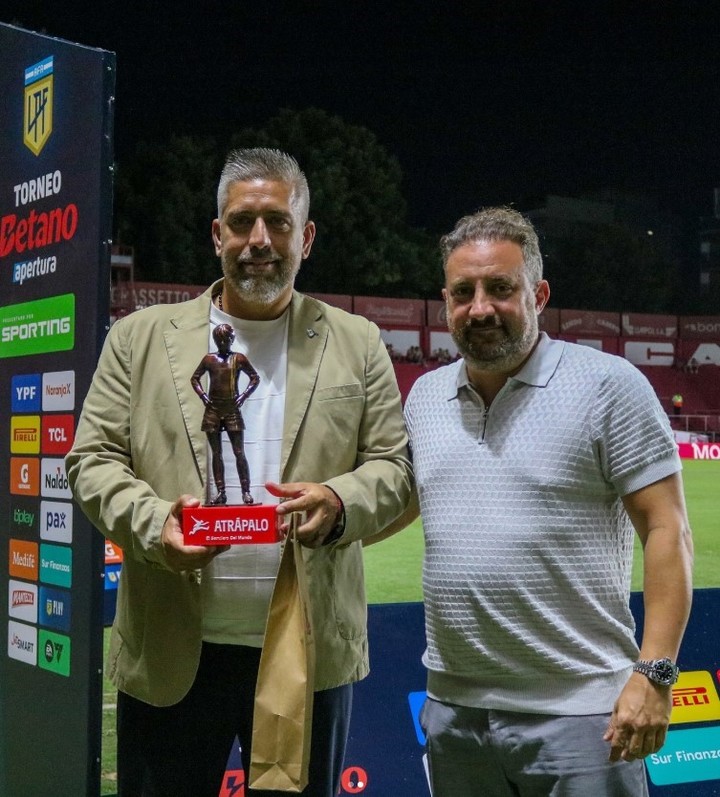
193 577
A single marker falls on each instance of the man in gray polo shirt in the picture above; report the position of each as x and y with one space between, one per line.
534 461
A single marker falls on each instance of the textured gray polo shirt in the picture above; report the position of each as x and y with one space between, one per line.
528 547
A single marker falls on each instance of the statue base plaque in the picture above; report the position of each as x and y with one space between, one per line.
230 524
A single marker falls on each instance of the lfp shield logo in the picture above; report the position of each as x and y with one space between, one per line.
38 113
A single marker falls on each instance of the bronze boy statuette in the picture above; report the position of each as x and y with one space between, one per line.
222 407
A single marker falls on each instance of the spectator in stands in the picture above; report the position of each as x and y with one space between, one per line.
534 459
677 404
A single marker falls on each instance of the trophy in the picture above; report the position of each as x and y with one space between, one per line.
217 522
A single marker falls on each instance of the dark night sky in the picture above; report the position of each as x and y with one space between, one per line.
481 102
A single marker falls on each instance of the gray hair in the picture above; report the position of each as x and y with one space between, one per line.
497 224
264 164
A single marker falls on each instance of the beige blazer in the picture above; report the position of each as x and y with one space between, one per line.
138 447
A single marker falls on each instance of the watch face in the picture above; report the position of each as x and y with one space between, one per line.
664 672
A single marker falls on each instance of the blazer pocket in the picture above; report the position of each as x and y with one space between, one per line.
340 392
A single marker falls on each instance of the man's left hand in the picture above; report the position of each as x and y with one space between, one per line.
320 505
639 721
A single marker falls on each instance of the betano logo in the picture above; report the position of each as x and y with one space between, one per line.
38 111
38 327
694 698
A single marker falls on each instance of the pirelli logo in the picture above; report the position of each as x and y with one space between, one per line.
694 698
38 112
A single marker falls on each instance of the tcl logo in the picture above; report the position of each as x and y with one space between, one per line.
57 433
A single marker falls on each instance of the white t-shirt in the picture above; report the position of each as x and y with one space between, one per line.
237 585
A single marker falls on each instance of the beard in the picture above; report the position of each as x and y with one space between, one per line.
509 347
263 289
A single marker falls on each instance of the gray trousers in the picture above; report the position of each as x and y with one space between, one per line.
474 752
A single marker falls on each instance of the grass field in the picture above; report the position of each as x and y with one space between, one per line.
393 572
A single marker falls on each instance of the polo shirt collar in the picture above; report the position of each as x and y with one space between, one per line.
537 371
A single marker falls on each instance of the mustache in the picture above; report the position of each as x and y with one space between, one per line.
488 323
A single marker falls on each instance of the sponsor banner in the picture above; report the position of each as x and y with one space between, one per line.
335 300
54 652
436 314
699 450
25 391
645 352
55 608
694 698
649 325
22 642
56 565
609 345
549 321
58 391
391 312
24 476
53 479
112 576
231 525
23 559
589 322
38 327
699 327
58 432
23 601
706 353
688 756
113 553
56 521
23 516
38 105
145 294
25 434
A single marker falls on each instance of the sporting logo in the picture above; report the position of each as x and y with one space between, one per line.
38 108
38 327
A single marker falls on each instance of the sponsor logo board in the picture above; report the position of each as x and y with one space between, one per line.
58 391
58 432
25 389
687 756
56 521
55 608
694 698
23 516
54 652
22 642
25 434
56 565
53 479
38 327
23 559
24 476
38 104
23 601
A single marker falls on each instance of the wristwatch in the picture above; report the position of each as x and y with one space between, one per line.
659 671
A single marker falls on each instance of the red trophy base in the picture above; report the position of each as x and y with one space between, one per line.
230 524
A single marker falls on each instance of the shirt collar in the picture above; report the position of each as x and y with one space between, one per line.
537 371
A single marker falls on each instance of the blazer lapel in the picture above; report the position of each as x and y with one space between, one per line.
186 343
307 338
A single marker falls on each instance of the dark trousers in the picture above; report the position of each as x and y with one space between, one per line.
182 750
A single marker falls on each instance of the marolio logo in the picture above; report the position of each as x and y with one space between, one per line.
38 110
38 327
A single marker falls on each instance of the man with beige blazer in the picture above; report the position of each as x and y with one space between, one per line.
324 435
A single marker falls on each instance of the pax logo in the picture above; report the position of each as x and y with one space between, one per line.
23 601
56 521
58 391
694 698
24 476
23 559
22 642
25 392
57 434
25 434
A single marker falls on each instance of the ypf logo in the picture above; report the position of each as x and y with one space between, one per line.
38 111
354 780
